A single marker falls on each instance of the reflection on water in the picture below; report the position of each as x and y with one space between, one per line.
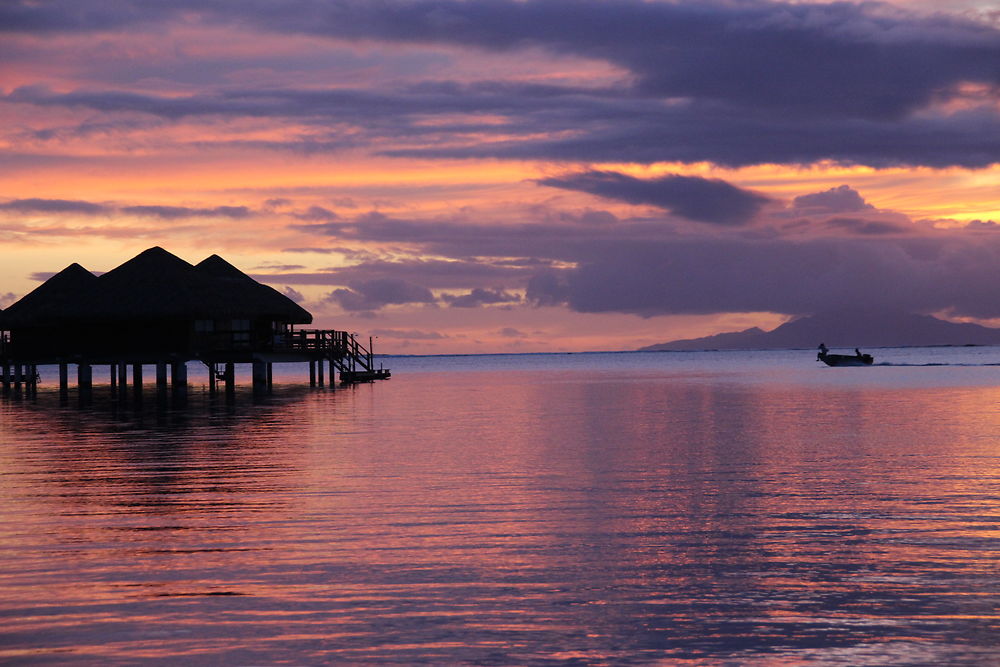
537 513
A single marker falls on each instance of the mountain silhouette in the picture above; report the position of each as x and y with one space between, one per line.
848 328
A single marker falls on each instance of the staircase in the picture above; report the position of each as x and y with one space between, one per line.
355 362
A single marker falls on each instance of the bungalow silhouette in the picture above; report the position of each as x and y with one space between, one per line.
160 310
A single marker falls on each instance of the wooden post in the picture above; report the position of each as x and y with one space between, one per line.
179 376
270 376
319 373
161 375
122 379
230 378
31 382
18 378
84 379
312 373
63 377
137 378
333 374
5 369
213 381
259 376
113 371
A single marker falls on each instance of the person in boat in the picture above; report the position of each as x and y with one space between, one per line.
822 351
857 353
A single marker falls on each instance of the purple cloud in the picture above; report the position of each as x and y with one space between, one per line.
408 334
795 277
481 297
69 206
732 83
180 212
375 294
842 199
691 197
293 294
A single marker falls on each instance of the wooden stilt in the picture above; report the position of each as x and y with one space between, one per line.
319 373
161 375
270 376
84 382
137 379
213 380
230 378
122 379
63 377
312 373
259 377
5 369
18 378
113 372
178 376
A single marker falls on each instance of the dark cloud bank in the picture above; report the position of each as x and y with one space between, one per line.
734 83
699 199
849 254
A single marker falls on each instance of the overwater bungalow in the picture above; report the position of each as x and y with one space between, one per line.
160 310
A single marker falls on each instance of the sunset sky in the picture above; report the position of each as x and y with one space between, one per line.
515 175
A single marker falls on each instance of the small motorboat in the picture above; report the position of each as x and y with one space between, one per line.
856 359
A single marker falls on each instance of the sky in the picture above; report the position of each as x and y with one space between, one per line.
479 176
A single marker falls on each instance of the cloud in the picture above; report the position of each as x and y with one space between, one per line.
293 294
511 332
838 59
179 212
77 207
548 288
701 276
481 297
7 299
842 199
988 225
733 83
316 214
408 334
445 274
692 197
375 294
867 227
68 206
590 217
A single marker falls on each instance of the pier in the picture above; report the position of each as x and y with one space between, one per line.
156 310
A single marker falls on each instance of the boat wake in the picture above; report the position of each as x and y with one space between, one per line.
935 363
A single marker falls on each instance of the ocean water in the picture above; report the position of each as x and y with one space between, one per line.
636 508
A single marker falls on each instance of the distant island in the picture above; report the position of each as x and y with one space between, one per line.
845 329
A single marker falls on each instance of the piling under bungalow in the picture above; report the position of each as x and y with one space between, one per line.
158 310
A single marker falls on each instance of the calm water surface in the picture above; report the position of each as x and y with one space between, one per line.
672 508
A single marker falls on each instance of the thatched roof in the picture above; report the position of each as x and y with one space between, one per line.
270 301
153 285
58 296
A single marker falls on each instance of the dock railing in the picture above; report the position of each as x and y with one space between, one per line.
341 347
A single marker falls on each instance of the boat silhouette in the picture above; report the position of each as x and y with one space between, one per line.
856 359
